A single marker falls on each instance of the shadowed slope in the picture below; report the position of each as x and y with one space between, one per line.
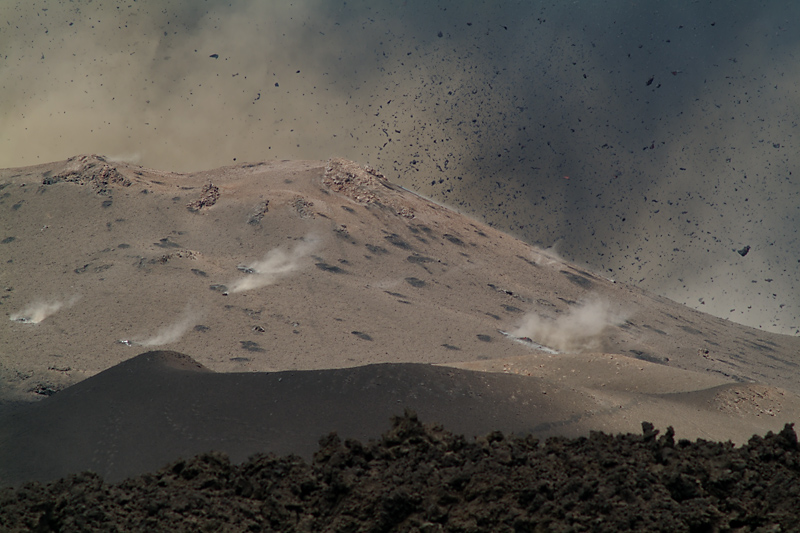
158 406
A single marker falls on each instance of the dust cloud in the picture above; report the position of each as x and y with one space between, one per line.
276 264
171 333
636 136
548 256
37 311
579 330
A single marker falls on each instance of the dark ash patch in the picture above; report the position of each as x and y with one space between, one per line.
361 335
419 259
644 356
251 346
395 240
329 268
689 329
342 233
395 294
651 328
453 239
376 249
759 347
166 243
578 280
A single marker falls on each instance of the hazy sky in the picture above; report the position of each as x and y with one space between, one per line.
647 140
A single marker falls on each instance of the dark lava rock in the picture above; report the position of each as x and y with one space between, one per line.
423 478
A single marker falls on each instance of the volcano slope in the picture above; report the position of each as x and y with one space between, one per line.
369 296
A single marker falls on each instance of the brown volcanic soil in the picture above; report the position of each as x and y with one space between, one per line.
426 479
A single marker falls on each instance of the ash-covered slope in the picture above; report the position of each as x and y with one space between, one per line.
324 266
311 265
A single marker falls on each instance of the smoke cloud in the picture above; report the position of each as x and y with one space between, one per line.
580 330
277 263
39 310
172 332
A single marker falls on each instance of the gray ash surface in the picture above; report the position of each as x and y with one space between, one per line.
423 478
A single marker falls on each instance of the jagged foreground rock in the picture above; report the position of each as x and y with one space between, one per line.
423 478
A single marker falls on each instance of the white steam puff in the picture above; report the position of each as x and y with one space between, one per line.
173 332
549 256
276 264
580 329
125 158
39 310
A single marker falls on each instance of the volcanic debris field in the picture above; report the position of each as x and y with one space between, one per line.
424 478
